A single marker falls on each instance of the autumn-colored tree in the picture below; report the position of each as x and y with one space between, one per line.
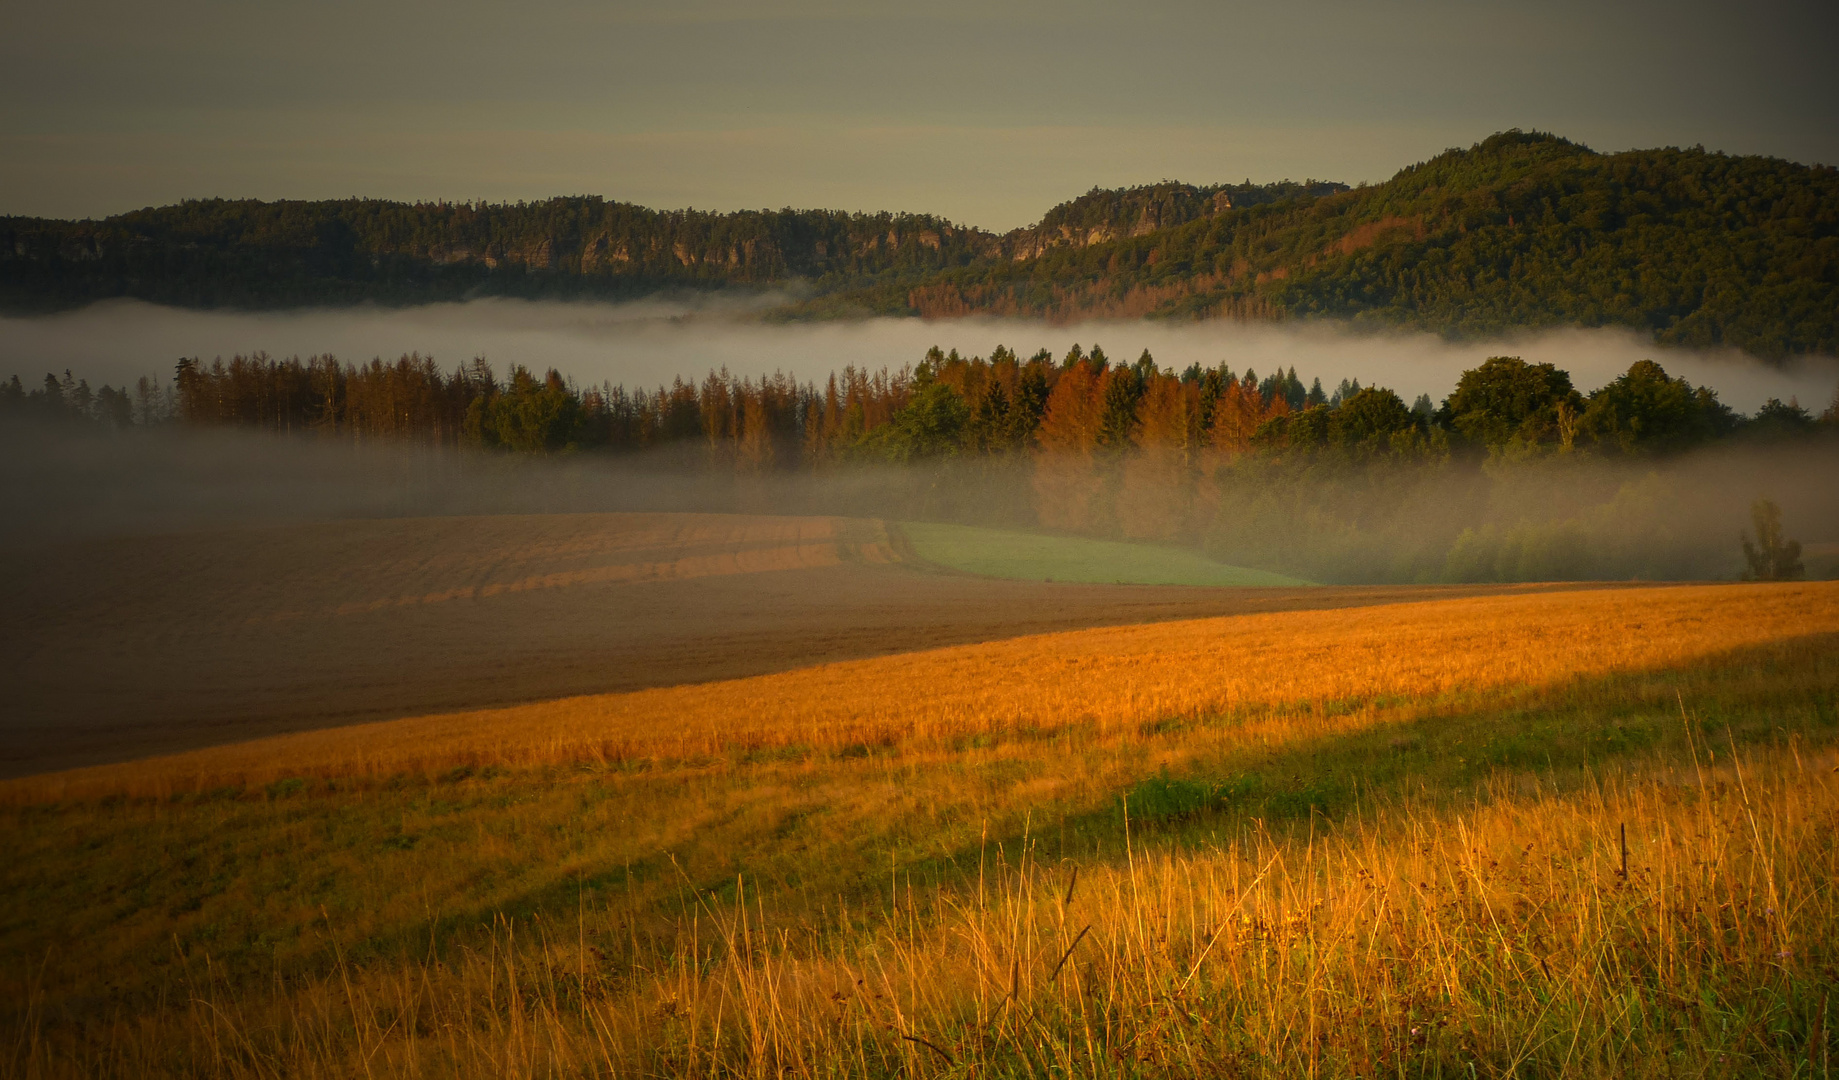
1159 473
754 448
720 413
1066 479
1237 414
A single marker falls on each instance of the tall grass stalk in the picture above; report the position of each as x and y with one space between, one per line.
1506 937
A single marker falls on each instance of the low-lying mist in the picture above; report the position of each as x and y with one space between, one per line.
1455 519
651 342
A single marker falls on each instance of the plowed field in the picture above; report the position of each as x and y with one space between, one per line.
116 649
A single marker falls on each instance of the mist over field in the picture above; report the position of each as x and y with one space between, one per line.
1578 517
648 343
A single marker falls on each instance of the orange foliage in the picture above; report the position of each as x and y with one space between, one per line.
1237 414
1157 492
1065 479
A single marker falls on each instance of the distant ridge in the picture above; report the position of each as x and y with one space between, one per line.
1520 231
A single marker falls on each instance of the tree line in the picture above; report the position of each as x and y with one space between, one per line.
1082 405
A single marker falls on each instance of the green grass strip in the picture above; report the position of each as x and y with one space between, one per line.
1041 557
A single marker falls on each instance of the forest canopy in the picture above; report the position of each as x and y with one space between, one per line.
1080 403
1522 230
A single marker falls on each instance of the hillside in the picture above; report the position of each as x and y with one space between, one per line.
1518 231
1105 214
249 253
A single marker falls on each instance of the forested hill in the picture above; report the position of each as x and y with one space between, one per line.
1102 215
1519 231
248 253
1523 230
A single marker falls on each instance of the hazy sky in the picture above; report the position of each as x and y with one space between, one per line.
985 111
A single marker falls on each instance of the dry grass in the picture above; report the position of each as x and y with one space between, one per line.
869 868
1260 668
1679 924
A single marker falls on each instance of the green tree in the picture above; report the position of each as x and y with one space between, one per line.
1030 404
988 429
931 425
1778 421
1645 410
1771 558
535 416
1507 399
1371 416
1118 411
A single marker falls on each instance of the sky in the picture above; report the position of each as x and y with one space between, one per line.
987 112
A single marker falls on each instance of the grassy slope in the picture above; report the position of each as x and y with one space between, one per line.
384 897
1040 557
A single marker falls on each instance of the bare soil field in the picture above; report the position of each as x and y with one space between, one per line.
116 649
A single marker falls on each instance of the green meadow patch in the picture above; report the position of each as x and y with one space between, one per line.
1030 556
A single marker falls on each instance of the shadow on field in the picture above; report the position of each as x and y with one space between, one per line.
1592 727
1452 754
210 873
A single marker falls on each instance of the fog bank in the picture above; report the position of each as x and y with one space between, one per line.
650 342
1561 517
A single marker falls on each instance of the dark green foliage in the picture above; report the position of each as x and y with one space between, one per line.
1521 230
1370 421
1507 400
1287 386
1778 421
931 425
1528 230
70 399
1644 410
1123 391
248 253
528 415
1030 404
1373 415
1771 557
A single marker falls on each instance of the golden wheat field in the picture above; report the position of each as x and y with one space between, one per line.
1586 833
1299 667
